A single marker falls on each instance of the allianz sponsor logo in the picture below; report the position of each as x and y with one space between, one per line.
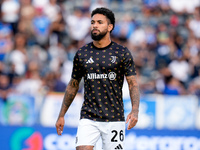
111 76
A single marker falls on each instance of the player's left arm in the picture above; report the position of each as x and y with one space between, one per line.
132 117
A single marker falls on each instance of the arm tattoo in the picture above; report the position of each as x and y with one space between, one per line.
134 92
70 93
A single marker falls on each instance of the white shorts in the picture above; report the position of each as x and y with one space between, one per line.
112 134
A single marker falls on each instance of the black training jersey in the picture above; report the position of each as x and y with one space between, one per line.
103 70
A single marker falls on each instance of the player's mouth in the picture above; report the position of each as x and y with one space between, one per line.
95 31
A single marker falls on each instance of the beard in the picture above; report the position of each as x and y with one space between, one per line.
98 37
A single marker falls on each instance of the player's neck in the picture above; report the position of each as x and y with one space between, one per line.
102 43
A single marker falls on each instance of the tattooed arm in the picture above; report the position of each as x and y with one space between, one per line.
70 93
132 117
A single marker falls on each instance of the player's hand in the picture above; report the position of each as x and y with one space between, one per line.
59 125
131 119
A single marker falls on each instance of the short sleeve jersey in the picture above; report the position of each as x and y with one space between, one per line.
103 70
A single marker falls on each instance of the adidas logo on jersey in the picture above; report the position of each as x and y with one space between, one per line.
90 61
119 147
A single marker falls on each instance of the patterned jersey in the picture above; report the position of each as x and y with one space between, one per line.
103 70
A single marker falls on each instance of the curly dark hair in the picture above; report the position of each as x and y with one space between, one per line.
106 12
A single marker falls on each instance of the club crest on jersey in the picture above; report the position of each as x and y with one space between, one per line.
113 59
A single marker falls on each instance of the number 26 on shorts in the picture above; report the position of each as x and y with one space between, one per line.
117 136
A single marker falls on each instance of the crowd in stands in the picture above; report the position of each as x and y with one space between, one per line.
38 40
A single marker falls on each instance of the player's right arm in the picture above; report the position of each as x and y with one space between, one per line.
70 93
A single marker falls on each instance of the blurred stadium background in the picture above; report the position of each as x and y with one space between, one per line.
38 39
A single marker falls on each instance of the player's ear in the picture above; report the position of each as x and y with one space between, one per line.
110 27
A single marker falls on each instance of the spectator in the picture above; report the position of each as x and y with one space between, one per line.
78 25
183 71
66 71
138 37
164 4
6 43
40 3
124 28
194 23
2 67
5 87
57 28
38 54
41 26
31 83
27 10
57 56
194 85
27 13
10 13
51 10
173 87
18 56
59 85
183 6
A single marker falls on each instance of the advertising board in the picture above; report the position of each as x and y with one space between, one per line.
45 138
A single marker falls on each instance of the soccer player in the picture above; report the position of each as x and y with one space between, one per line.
103 65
